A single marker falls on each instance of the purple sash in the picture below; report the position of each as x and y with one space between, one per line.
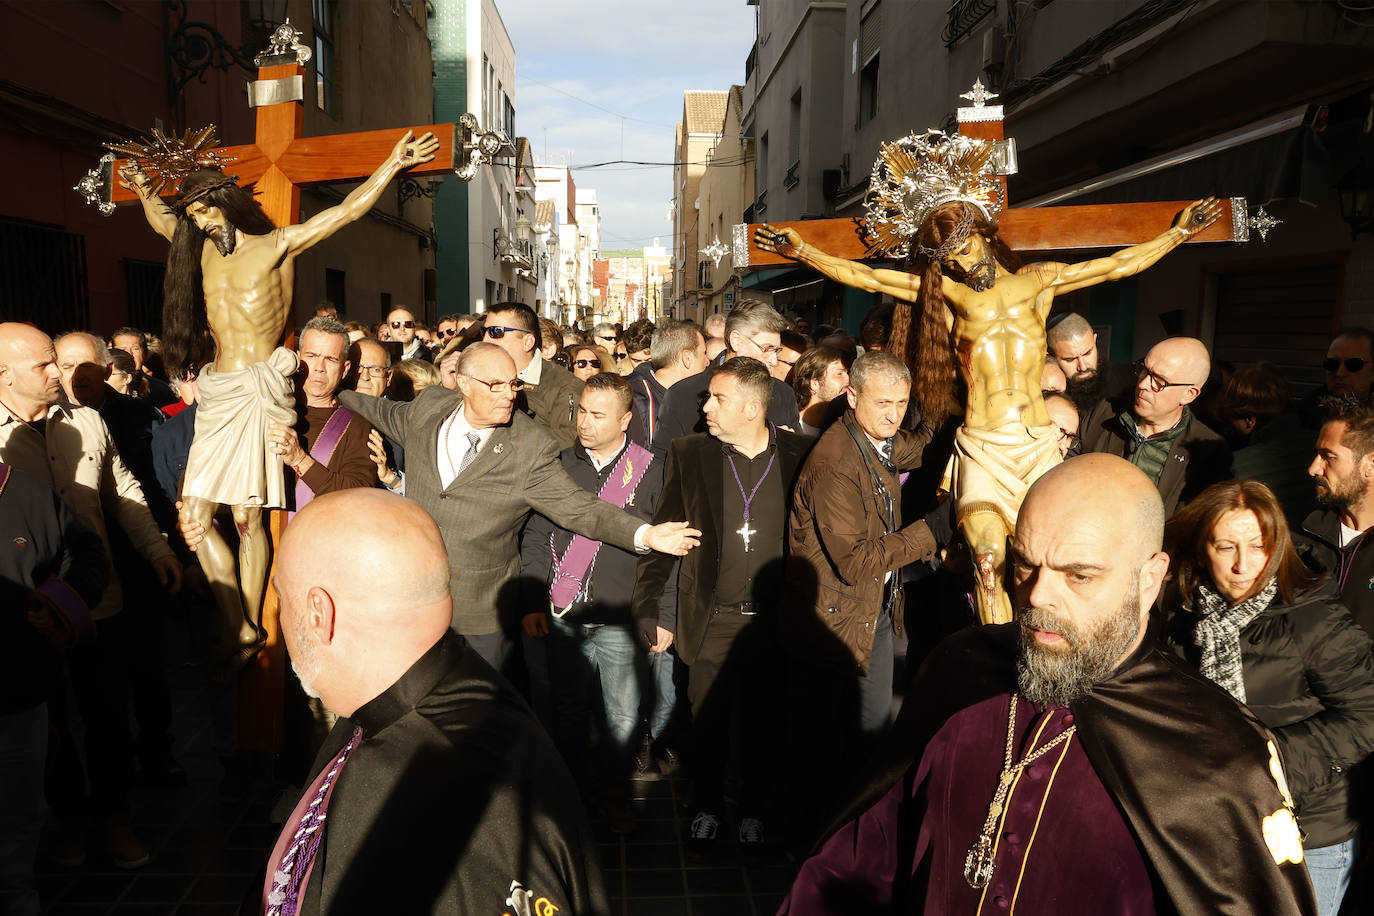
571 569
323 450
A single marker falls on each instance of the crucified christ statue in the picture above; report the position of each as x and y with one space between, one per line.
984 314
225 248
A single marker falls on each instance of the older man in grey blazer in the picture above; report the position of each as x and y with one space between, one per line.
479 468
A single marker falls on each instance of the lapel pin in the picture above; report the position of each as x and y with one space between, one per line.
499 448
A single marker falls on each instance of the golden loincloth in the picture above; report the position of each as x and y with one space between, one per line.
229 462
993 468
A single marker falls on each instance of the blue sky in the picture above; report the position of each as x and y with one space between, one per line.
583 64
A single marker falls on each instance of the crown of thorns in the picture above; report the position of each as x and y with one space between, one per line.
167 160
918 174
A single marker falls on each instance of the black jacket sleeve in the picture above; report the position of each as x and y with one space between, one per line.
1340 672
656 582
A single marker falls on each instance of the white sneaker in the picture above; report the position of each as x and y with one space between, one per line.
704 827
750 832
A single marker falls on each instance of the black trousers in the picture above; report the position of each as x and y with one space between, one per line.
834 723
99 682
734 686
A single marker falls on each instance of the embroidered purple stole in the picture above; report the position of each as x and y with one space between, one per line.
323 450
570 570
293 857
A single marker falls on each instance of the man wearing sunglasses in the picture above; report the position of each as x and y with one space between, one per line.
550 392
401 322
480 467
752 329
1349 367
1156 431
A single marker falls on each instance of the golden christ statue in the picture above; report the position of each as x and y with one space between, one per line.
226 304
931 205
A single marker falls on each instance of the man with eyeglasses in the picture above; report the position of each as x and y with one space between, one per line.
480 467
752 329
1157 432
372 374
1064 415
550 392
401 323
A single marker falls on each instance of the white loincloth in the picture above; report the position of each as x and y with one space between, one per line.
993 468
229 462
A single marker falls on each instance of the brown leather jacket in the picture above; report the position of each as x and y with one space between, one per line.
840 547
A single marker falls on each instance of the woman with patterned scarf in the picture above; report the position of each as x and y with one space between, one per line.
1244 609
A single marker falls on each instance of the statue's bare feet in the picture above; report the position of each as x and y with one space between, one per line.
990 599
237 654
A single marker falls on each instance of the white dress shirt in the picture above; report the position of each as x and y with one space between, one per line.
453 444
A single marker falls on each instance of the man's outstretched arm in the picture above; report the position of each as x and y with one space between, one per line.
407 152
789 244
1130 261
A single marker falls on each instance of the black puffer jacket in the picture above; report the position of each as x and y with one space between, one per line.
1309 676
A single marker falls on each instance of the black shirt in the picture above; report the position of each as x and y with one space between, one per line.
767 521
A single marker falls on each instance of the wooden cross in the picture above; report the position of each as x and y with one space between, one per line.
280 162
1025 229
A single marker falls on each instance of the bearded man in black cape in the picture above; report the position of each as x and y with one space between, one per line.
1067 763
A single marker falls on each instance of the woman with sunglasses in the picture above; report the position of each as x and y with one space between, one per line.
585 361
1251 617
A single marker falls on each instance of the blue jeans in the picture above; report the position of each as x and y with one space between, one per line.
23 746
663 681
1330 868
578 655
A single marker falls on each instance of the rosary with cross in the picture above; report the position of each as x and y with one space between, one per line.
744 531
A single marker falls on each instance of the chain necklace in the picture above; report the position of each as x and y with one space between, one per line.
979 861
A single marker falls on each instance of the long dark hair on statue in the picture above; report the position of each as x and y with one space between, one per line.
186 340
927 349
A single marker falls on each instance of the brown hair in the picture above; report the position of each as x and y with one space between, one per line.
812 365
549 333
638 336
1256 391
609 381
1187 531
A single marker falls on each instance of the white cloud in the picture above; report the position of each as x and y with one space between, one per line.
626 59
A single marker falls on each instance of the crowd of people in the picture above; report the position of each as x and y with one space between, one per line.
724 549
